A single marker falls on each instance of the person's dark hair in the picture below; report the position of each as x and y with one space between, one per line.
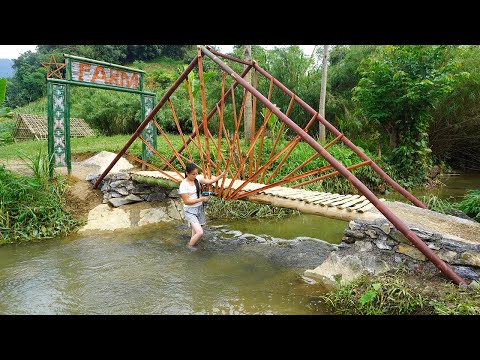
188 169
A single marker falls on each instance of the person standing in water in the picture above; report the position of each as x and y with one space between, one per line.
192 201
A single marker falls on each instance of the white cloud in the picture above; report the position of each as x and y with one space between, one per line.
13 51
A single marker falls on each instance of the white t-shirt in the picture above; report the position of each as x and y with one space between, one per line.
191 190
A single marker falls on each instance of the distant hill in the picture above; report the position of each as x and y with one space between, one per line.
6 70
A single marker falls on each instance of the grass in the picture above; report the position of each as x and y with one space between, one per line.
94 144
391 294
240 209
437 204
32 207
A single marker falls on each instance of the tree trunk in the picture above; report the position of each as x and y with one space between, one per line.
393 132
323 92
247 123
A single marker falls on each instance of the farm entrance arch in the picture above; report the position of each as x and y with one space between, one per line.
82 71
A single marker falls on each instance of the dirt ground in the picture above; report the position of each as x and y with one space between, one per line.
81 197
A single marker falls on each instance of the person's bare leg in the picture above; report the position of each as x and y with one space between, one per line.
197 233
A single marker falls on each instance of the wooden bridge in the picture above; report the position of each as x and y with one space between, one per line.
345 207
336 206
259 159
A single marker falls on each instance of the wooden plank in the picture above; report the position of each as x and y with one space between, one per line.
314 194
365 208
303 196
295 196
268 192
273 190
292 193
285 192
354 200
252 186
358 206
319 197
332 200
346 199
328 197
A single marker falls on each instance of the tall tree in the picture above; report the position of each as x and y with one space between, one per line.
323 92
398 88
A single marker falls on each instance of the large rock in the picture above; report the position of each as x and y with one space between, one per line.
153 216
103 159
104 217
339 269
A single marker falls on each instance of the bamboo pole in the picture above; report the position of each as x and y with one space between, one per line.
179 128
147 120
395 220
177 155
347 142
195 123
212 112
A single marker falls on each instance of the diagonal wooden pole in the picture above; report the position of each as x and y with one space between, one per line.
394 219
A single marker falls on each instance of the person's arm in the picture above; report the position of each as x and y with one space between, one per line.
188 201
214 179
182 191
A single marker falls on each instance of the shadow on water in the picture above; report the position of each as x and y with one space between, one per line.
243 267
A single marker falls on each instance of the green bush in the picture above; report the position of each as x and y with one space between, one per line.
470 204
6 131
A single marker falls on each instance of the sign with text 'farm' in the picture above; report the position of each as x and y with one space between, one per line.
100 74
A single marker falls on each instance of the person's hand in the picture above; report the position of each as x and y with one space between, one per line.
204 198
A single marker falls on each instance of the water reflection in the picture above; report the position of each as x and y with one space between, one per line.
455 187
237 269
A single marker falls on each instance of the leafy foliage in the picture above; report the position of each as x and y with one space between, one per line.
400 92
453 135
470 204
3 86
342 78
399 85
437 204
387 295
110 112
6 130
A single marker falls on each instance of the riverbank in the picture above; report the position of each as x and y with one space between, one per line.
81 199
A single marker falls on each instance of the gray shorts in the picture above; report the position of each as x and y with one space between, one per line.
195 214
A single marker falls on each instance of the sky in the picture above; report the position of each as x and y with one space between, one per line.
13 51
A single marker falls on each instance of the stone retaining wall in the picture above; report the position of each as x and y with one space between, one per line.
120 189
386 237
147 204
376 246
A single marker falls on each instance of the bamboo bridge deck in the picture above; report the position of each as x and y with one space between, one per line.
343 207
